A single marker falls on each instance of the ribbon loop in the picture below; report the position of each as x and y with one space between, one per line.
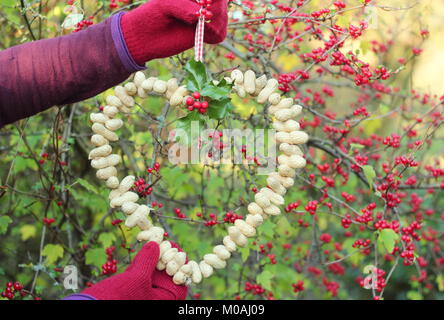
199 38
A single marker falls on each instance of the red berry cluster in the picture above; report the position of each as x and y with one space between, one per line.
272 258
311 207
43 157
214 144
254 289
348 197
230 217
48 221
292 206
325 237
142 188
110 266
113 3
155 204
262 248
379 284
84 24
205 4
212 221
11 289
393 141
179 213
116 222
196 103
155 168
339 4
298 286
361 243
331 286
383 224
361 111
408 235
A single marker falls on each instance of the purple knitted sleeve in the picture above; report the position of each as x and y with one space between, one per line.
38 75
79 296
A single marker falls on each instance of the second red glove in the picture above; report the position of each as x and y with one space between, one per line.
140 281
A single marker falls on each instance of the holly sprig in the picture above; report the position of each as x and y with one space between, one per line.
216 93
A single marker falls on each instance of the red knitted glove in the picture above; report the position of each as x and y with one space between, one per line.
164 28
140 281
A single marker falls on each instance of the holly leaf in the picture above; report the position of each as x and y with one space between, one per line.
370 175
96 257
217 92
52 252
185 123
388 238
264 279
219 109
197 75
4 223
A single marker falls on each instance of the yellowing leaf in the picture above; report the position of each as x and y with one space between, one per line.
288 62
371 126
52 252
28 231
370 174
388 238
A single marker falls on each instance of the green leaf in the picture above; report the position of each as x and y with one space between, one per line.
88 186
219 109
245 253
370 174
388 238
21 164
440 282
8 3
4 223
384 108
264 279
356 146
107 239
96 257
52 252
197 75
268 228
414 295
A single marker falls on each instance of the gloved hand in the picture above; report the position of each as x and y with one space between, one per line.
140 281
163 28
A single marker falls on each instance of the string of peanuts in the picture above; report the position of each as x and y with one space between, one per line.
267 200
